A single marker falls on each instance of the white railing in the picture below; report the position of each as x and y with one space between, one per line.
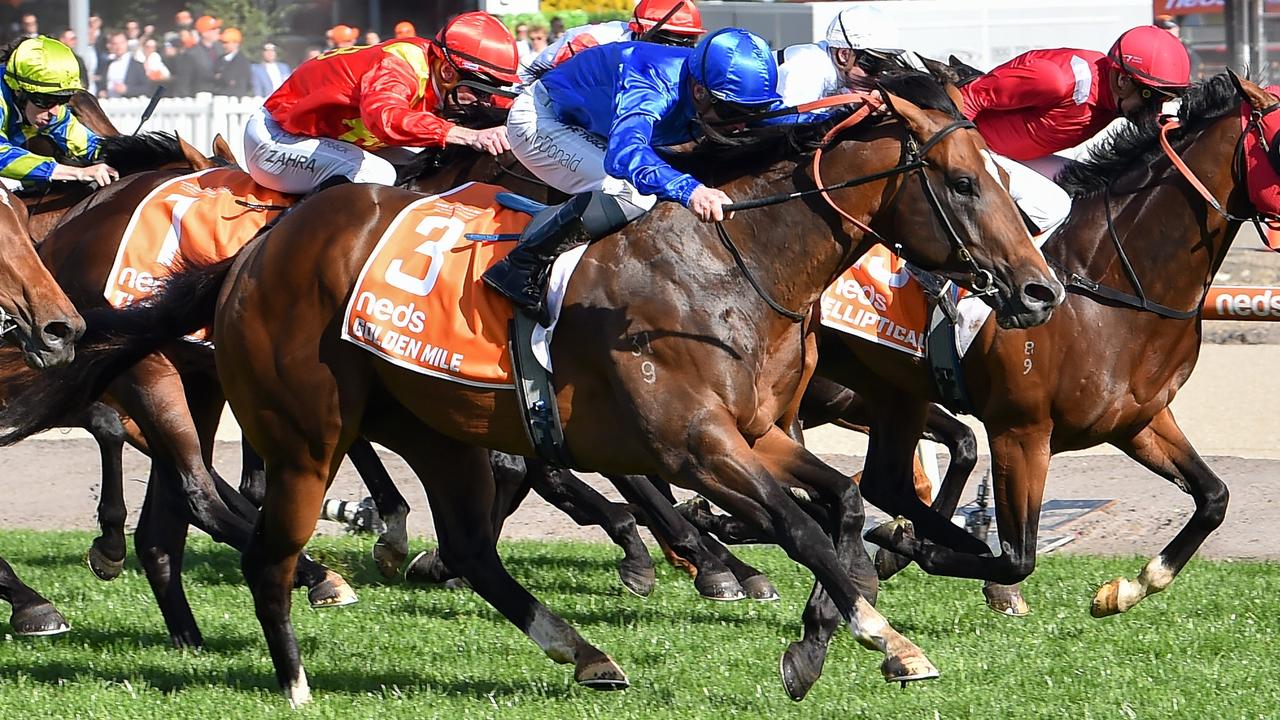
195 119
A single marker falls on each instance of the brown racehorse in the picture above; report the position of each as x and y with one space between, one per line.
40 322
1098 372
730 364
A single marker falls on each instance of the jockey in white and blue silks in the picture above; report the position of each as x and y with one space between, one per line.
589 128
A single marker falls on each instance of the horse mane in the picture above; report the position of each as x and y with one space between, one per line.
431 160
135 153
1134 146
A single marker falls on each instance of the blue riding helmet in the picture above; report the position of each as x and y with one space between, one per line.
736 66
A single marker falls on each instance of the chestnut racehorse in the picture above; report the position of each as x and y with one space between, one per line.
720 332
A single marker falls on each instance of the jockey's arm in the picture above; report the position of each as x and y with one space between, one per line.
630 154
387 110
806 75
76 140
1037 83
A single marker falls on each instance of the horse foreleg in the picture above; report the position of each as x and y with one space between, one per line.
1162 448
106 553
32 615
159 542
253 474
392 546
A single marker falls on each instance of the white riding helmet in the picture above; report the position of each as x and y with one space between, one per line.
864 28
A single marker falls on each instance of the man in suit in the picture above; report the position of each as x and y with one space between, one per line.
270 73
232 73
195 73
124 76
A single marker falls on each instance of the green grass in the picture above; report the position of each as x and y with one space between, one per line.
1204 649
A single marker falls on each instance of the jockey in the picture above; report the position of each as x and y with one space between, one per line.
1045 101
328 116
589 127
860 42
665 22
40 75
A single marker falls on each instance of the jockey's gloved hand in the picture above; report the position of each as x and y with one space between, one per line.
491 140
101 173
707 203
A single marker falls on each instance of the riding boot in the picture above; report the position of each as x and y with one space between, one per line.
522 275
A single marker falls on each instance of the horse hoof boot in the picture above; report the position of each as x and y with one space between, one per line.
102 566
892 535
1006 600
889 563
332 592
40 620
637 577
759 587
799 671
908 668
601 673
388 558
720 586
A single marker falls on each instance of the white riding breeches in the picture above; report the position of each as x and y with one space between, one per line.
566 157
292 163
1035 192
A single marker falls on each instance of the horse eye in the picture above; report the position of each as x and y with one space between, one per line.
963 186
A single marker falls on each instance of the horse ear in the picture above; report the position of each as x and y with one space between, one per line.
915 118
1257 97
222 149
937 68
194 157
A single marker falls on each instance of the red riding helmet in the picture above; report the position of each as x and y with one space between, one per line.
1152 57
477 43
685 20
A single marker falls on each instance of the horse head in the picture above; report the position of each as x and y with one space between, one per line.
35 315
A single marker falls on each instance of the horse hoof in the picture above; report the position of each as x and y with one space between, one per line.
720 586
798 671
331 592
1006 600
388 558
1114 598
102 566
908 668
426 568
40 620
188 640
889 563
601 673
638 578
892 535
458 583
759 587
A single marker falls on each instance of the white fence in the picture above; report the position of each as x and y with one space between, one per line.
195 119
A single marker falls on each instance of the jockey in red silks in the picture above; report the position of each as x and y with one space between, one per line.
1045 101
665 22
334 110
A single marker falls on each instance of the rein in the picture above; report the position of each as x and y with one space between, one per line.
913 162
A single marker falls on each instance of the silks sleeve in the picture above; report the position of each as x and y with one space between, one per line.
630 154
1014 85
388 93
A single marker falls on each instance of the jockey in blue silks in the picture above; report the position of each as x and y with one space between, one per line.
589 128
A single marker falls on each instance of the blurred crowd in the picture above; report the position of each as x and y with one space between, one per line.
193 55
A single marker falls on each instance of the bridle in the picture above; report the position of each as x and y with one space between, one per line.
913 161
1138 299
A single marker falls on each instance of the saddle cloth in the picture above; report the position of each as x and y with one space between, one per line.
420 303
193 218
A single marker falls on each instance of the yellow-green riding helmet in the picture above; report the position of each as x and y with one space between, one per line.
43 66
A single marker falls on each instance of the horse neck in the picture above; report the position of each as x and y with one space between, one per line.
1173 239
88 111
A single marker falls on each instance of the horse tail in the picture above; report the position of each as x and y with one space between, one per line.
114 340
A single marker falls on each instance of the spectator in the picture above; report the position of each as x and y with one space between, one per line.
199 61
149 55
182 20
405 29
133 33
124 76
342 36
29 26
233 74
68 38
88 54
268 74
537 43
522 39
557 29
372 38
312 53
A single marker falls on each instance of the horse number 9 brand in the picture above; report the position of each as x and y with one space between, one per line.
434 249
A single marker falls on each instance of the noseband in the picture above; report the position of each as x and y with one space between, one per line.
913 161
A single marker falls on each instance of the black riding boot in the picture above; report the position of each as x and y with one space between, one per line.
522 275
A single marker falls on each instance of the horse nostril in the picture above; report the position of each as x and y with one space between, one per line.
58 333
1042 293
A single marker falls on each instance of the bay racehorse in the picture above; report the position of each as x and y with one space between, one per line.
1104 369
725 338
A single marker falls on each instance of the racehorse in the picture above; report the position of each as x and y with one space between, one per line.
726 337
39 322
1104 369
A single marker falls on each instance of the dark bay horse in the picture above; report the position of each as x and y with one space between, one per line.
730 367
38 322
1099 371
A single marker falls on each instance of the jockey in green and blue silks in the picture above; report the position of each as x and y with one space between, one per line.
40 75
590 126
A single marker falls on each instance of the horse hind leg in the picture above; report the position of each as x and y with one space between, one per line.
106 553
32 616
1162 448
392 547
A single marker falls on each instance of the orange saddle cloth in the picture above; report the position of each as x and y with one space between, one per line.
419 301
195 218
